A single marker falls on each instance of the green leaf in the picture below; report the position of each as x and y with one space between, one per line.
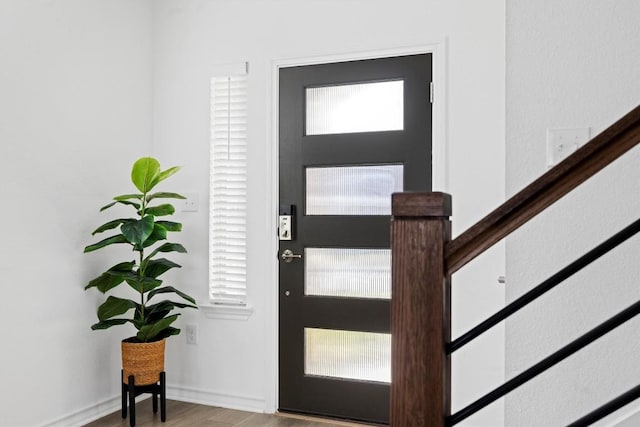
111 225
155 268
119 238
145 174
167 332
121 202
138 321
159 311
159 233
163 195
128 196
163 306
168 247
114 306
171 289
105 324
166 306
112 277
170 225
161 210
167 173
149 332
143 284
158 314
123 267
136 232
104 282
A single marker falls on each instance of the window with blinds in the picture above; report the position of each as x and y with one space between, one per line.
228 190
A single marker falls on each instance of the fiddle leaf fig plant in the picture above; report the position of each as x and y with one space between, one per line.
147 237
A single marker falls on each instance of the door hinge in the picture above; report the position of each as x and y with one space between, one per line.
431 92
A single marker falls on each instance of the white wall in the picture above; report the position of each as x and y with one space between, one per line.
75 111
571 64
234 362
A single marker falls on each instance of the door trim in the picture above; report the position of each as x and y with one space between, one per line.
440 181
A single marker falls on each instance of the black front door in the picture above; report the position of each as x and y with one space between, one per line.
351 134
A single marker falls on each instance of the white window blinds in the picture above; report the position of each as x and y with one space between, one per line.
228 190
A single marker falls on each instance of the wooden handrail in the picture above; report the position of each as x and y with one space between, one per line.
543 192
424 257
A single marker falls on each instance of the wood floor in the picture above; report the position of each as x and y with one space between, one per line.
182 414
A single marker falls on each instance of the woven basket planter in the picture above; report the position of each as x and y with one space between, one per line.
143 360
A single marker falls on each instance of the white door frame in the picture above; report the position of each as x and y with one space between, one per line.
440 181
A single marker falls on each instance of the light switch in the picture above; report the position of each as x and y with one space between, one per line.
562 142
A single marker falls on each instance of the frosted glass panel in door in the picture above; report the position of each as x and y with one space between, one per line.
346 272
354 355
362 107
352 190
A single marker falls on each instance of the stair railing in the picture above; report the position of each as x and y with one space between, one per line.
424 257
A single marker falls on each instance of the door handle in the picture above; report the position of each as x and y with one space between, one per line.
288 256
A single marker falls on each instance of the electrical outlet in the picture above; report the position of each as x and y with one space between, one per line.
191 203
192 334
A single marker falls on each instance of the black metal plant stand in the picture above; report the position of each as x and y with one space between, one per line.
132 391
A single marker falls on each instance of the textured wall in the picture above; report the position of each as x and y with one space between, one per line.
75 110
571 64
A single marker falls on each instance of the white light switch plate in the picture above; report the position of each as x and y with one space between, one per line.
562 142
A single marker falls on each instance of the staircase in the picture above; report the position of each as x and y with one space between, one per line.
425 256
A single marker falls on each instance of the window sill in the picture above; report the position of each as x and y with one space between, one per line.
227 312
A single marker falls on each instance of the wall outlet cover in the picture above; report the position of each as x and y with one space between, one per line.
191 203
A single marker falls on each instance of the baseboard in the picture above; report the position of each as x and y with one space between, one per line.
87 414
185 394
213 398
91 413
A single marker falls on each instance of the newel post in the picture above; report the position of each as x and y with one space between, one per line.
420 310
